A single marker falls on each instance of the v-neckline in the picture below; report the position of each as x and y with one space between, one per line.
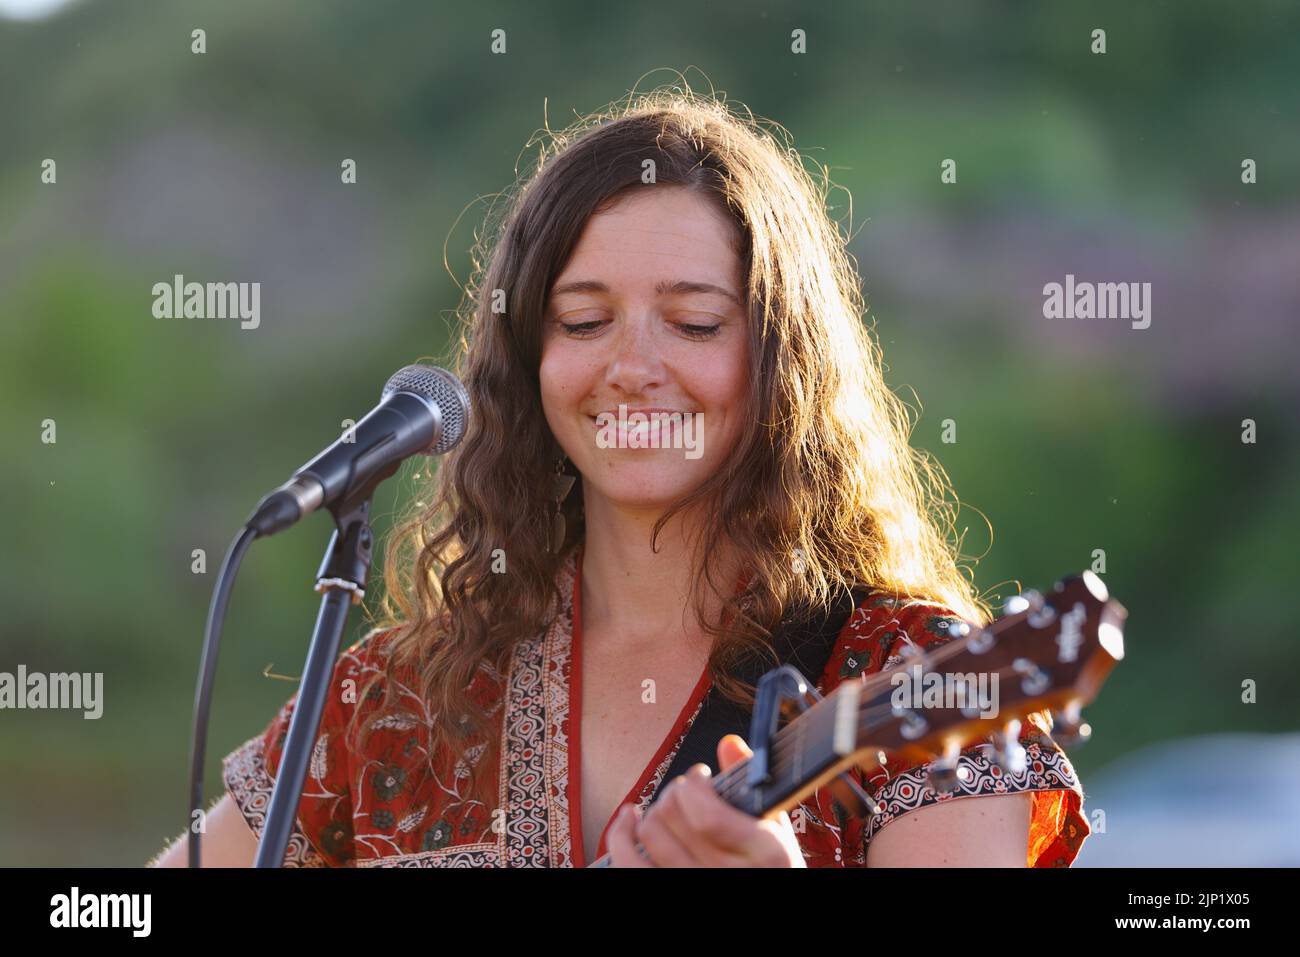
579 848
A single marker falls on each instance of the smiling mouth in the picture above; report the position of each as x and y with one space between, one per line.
648 413
671 420
652 429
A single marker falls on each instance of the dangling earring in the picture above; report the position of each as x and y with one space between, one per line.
560 489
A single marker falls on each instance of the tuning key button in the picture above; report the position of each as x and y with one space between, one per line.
1096 587
958 629
1026 601
944 774
1068 727
1033 679
911 724
1008 753
1072 738
865 803
1041 617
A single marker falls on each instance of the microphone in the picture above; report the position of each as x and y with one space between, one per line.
423 410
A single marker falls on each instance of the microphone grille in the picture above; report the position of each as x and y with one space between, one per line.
445 390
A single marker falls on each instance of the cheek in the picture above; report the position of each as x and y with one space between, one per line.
723 385
555 378
551 386
720 385
564 381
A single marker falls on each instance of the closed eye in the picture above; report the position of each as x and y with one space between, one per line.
699 332
579 329
590 327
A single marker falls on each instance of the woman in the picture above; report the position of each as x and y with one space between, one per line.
558 611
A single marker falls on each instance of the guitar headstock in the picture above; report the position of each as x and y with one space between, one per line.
1045 652
1048 651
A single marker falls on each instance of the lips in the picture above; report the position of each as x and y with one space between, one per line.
646 411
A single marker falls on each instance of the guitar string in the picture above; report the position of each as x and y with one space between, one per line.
784 736
782 741
731 784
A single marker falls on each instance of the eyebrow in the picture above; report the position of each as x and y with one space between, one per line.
665 287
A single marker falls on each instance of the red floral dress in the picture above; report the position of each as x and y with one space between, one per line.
394 806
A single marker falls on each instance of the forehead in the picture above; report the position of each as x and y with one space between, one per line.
653 234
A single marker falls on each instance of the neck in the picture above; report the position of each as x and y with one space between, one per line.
638 597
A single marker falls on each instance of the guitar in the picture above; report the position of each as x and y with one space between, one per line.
1044 652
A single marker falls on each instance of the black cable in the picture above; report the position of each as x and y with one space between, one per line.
208 676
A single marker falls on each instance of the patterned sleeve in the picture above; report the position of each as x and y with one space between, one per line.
322 832
873 641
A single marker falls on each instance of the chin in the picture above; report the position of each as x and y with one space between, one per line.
638 487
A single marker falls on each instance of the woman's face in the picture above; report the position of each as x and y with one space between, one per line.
648 313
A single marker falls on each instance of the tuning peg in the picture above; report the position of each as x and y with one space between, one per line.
911 724
850 791
1025 601
944 774
1069 730
1008 752
1033 679
1095 585
1041 616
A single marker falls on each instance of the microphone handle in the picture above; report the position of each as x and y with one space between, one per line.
399 427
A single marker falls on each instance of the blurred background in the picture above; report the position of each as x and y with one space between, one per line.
1072 434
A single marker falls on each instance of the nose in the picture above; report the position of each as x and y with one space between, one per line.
635 365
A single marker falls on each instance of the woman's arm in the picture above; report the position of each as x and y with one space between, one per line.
228 841
986 831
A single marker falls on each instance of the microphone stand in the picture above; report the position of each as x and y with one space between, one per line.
342 583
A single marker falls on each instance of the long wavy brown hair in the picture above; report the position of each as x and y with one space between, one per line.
822 491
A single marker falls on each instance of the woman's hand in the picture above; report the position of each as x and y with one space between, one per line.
690 826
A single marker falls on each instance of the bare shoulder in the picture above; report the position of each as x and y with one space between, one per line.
976 831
